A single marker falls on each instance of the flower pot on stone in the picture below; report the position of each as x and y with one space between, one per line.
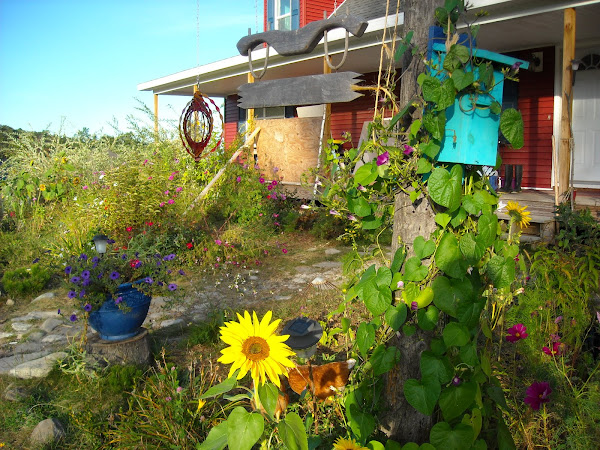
113 322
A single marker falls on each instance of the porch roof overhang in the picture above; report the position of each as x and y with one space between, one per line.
222 78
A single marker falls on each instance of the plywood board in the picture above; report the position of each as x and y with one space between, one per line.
291 145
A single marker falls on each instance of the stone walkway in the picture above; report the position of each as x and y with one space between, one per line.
31 343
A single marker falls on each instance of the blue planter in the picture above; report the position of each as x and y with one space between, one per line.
114 324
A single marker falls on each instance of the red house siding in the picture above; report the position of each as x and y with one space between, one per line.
312 10
231 119
536 103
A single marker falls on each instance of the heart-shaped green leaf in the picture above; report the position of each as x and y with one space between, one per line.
428 318
438 368
414 270
244 428
511 126
456 334
217 437
422 395
445 188
442 435
293 433
395 316
422 248
365 337
449 258
377 298
501 271
454 400
384 359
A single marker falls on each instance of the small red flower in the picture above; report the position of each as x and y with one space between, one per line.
516 333
284 250
134 263
129 229
554 351
189 245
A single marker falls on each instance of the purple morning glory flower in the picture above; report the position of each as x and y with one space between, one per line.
58 312
100 275
114 275
383 158
71 294
181 272
36 260
172 287
408 150
68 270
110 241
456 381
87 307
73 318
83 257
516 65
95 260
149 280
123 256
75 280
118 300
82 293
414 306
160 283
85 274
85 282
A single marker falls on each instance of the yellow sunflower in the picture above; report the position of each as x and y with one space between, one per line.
518 214
254 347
347 444
42 187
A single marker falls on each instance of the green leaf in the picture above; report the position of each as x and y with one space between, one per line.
345 322
471 248
217 437
371 222
487 228
449 292
456 334
442 435
469 311
430 149
447 95
359 206
384 359
422 248
414 195
449 258
377 298
458 217
468 355
495 108
505 439
431 89
438 347
456 56
222 387
445 188
422 395
442 219
501 271
454 400
404 45
268 395
375 445
441 16
384 276
436 368
362 424
511 126
292 432
472 205
435 123
398 260
414 270
475 420
497 394
423 166
365 337
395 316
428 318
414 128
399 116
486 75
245 429
366 174
462 79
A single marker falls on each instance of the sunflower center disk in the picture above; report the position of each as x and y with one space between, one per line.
255 348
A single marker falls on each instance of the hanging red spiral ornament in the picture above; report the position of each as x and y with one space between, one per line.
196 126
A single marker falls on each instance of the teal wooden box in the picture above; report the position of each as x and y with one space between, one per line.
471 133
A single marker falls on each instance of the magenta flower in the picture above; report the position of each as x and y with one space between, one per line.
400 284
558 319
261 180
238 179
333 212
284 250
274 183
516 333
383 158
537 394
179 189
218 241
408 150
162 204
171 201
555 350
456 381
414 306
166 192
361 188
179 389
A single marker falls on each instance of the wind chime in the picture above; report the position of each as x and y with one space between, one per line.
196 124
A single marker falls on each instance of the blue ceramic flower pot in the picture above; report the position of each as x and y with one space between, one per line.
115 324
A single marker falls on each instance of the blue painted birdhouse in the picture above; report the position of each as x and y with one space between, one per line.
471 132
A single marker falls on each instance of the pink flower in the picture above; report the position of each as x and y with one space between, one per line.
333 212
414 306
408 150
400 284
238 179
554 351
516 333
171 178
85 187
218 241
537 394
558 319
383 158
275 215
284 250
129 229
166 192
162 204
145 162
179 389
171 201
261 180
274 183
270 187
361 188
179 189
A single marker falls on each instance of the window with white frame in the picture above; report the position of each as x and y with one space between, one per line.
283 14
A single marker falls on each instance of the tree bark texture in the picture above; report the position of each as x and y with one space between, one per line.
402 422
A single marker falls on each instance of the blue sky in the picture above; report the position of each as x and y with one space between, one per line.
82 60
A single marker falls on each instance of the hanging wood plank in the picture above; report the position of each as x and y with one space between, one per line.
298 91
303 40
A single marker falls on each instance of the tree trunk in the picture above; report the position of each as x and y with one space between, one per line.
402 422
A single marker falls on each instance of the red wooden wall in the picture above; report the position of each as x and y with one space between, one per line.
231 119
536 103
311 10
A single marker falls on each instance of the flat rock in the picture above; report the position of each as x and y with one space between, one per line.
14 393
21 327
50 324
332 251
46 432
52 338
36 336
328 264
35 315
10 302
5 335
304 269
28 347
37 368
170 322
45 296
9 362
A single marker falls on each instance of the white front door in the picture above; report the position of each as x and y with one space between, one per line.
586 129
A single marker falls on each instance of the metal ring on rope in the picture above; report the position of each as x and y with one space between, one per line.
331 66
264 69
